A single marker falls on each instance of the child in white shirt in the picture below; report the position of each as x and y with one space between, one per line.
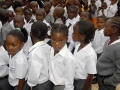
62 64
18 64
84 54
38 76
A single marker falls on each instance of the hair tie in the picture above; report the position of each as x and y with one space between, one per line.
18 29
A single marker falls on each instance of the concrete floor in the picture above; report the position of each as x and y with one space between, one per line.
95 87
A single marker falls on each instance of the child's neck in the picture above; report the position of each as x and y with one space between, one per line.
113 38
82 45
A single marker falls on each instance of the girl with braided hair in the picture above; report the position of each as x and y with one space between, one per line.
108 65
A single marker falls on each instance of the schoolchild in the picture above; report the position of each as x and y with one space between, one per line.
19 23
49 17
38 73
62 64
108 65
28 20
34 7
84 55
58 15
18 64
6 27
4 69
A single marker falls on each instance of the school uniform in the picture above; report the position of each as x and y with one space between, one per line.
68 22
99 41
65 13
6 28
62 69
18 66
37 76
11 8
49 17
111 10
101 14
108 66
4 70
86 60
28 25
59 21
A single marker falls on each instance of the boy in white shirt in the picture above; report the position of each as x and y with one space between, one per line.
112 9
62 64
38 76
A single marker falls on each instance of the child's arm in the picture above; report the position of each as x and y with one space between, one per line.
21 84
88 82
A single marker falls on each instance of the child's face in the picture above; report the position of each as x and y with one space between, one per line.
101 23
11 17
47 9
18 23
84 16
8 3
40 16
28 15
34 7
76 35
58 40
108 31
104 6
13 45
93 2
54 2
19 12
71 14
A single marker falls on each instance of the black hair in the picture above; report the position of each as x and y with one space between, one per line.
86 27
4 14
73 7
60 28
60 11
39 30
20 8
116 22
21 34
27 10
47 4
17 4
103 17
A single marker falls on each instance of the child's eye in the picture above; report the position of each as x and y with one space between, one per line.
61 41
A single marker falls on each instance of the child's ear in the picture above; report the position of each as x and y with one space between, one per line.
22 44
83 37
115 30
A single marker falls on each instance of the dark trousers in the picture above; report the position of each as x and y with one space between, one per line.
4 84
79 84
102 86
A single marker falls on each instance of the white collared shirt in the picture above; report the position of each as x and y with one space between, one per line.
18 66
4 61
111 10
38 63
86 59
11 8
62 68
117 41
99 41
72 22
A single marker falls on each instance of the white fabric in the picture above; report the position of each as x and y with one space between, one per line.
18 66
4 61
72 22
117 41
99 41
101 14
111 10
38 64
86 59
0 24
62 68
11 8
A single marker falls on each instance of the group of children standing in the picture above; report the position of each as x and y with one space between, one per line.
55 48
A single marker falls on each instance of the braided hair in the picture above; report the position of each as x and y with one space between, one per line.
61 28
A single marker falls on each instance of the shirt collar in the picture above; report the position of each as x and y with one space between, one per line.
36 45
62 52
87 47
101 31
117 41
17 54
